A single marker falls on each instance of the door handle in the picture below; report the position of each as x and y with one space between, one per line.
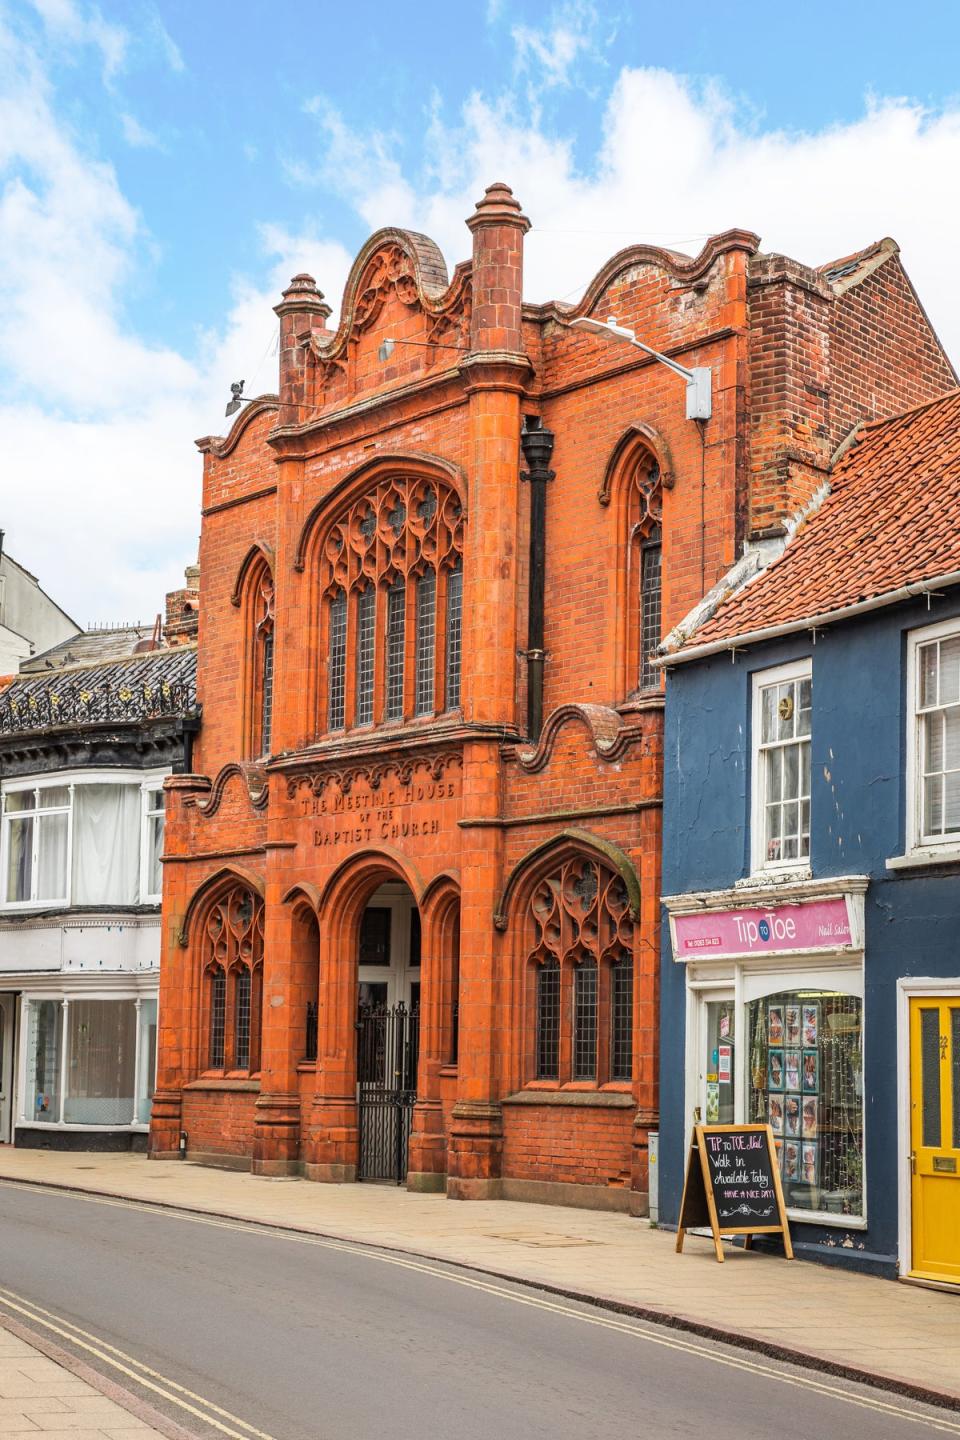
913 1162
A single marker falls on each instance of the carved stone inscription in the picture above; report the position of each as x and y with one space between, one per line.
385 806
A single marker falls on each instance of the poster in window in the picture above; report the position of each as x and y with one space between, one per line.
811 1024
775 1025
791 1115
792 1024
775 1070
811 1071
808 1161
791 1062
791 1160
775 1113
725 1064
810 1118
713 1102
724 1024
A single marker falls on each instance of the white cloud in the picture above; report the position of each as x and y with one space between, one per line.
549 54
138 136
104 503
676 162
66 23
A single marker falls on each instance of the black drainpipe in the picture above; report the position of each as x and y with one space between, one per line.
537 445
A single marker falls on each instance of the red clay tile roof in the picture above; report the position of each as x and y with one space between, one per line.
892 518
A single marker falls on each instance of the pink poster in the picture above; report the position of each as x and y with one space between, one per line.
717 934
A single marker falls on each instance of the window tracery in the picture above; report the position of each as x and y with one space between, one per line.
581 933
232 961
390 566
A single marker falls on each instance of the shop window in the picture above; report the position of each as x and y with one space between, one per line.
233 970
89 1062
805 1079
395 555
101 1062
581 960
44 1039
644 506
934 760
781 767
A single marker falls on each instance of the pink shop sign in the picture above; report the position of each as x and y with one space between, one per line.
717 934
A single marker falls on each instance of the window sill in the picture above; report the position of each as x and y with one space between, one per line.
760 879
923 858
604 1099
223 1082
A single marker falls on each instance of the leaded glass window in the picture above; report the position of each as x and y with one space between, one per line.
366 617
392 552
396 639
585 1020
218 1018
454 636
621 1018
232 950
548 1021
336 661
426 642
650 550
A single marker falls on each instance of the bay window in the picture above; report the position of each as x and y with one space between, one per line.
96 840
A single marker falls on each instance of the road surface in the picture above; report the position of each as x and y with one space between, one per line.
231 1330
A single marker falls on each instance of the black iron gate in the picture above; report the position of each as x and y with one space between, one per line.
388 1045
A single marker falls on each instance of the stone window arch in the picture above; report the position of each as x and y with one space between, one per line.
579 957
391 565
231 960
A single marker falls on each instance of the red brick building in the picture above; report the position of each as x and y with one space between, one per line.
428 775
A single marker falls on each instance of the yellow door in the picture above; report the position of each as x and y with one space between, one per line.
935 1137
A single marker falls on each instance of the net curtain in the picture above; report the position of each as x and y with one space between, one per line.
106 845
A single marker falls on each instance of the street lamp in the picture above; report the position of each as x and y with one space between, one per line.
699 389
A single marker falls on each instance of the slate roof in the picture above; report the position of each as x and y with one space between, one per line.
138 688
892 519
89 648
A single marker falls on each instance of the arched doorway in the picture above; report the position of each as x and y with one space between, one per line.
388 1031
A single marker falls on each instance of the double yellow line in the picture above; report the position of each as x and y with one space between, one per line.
229 1424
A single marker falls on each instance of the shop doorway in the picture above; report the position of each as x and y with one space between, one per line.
935 1137
716 1058
7 1015
388 1032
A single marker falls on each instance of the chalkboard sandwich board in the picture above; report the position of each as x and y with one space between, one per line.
733 1185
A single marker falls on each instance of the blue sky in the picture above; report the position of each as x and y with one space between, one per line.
165 165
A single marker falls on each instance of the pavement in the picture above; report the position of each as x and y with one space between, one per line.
43 1396
902 1337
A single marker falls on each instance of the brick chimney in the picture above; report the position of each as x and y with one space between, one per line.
303 312
498 225
183 610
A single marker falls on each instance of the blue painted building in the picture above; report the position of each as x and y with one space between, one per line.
811 862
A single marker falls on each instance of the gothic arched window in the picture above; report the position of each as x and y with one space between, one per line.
581 958
255 596
233 980
644 569
391 587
